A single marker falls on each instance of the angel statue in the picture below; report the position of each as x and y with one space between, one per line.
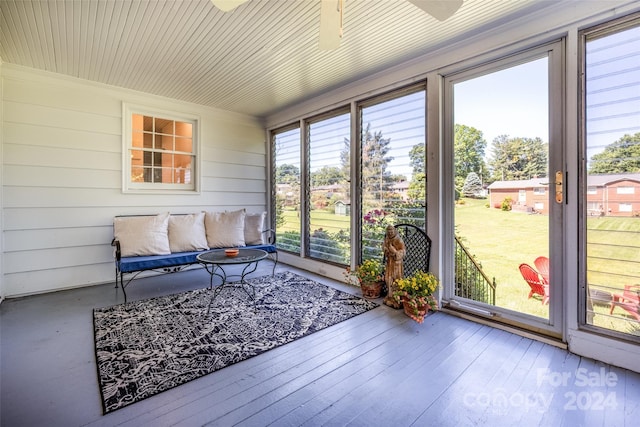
394 251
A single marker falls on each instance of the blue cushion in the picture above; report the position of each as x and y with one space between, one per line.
268 248
139 263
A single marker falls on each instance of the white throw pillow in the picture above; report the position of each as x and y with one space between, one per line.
142 235
253 228
186 233
224 229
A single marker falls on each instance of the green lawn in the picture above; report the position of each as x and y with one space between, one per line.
319 219
501 241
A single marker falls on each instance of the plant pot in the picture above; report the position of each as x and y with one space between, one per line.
371 290
408 310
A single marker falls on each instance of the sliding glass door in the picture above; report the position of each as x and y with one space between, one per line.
503 149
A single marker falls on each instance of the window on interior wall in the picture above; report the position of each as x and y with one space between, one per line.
392 165
160 150
610 297
329 203
287 188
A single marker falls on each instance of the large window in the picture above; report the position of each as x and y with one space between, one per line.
611 145
392 165
286 155
159 151
329 204
317 202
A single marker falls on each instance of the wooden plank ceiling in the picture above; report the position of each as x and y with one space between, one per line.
257 59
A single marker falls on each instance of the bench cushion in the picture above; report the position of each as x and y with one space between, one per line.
139 263
152 262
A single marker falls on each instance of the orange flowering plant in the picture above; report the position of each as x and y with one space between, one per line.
369 271
417 291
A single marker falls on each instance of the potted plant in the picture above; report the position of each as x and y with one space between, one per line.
416 294
368 276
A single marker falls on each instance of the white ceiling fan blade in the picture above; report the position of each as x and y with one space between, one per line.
330 24
227 5
439 9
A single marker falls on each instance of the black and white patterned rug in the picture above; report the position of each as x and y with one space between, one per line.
146 347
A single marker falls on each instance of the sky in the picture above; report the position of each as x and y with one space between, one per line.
514 101
511 102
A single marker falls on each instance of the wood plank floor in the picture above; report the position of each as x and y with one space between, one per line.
377 369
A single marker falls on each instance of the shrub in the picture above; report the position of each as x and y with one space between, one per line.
506 204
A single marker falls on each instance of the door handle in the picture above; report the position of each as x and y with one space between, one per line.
559 191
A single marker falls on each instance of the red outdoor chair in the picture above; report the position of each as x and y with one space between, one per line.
542 265
537 284
629 301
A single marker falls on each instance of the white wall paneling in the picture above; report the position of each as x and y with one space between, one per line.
62 144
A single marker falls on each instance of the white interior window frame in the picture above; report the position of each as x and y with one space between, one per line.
128 110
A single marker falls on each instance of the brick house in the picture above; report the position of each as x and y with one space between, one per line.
615 194
527 195
610 194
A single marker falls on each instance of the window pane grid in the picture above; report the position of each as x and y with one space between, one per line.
162 151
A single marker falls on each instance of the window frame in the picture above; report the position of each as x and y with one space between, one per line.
353 107
584 36
273 133
128 110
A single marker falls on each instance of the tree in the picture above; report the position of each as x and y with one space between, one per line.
375 179
417 158
620 156
469 146
417 185
472 185
518 158
327 175
287 174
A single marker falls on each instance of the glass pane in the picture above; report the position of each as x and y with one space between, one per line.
137 174
502 188
164 126
329 204
148 140
137 123
612 197
164 142
392 168
184 144
286 149
148 124
184 129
